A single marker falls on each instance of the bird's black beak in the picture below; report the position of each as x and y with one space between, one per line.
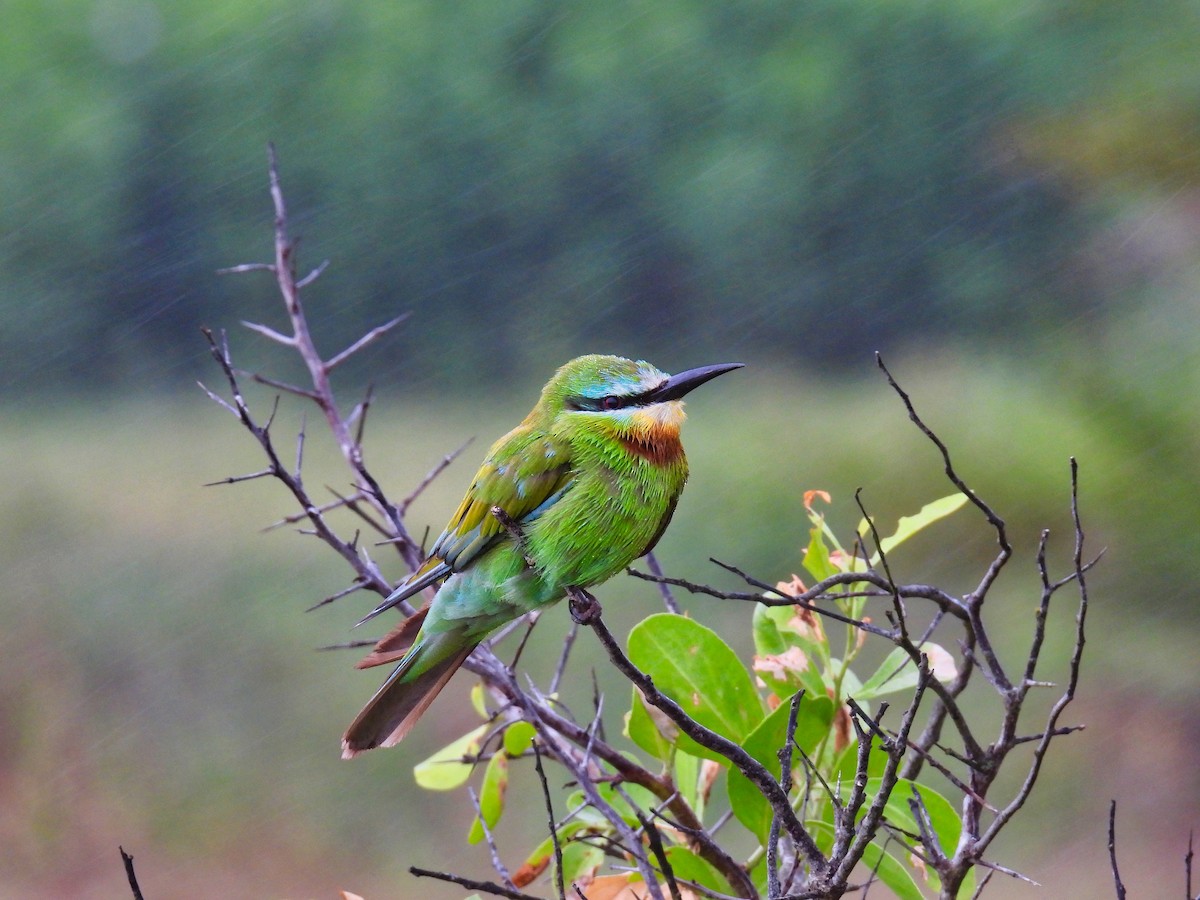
678 385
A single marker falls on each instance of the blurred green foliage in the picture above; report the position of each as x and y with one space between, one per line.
526 176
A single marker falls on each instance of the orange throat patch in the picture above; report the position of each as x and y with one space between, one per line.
658 446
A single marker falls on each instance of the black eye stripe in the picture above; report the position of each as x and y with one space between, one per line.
602 404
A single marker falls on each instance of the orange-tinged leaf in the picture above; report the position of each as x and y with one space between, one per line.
782 666
806 624
709 770
841 729
530 870
942 665
809 496
619 887
791 587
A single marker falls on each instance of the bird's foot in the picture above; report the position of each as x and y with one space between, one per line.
585 609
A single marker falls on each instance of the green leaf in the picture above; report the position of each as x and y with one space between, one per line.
690 867
766 622
478 701
899 673
517 738
812 724
638 795
445 770
644 727
699 671
491 796
816 556
907 526
890 870
687 779
580 860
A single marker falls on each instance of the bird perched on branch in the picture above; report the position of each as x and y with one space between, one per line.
582 487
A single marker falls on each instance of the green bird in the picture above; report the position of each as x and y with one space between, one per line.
587 483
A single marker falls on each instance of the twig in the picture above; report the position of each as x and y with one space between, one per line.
127 859
665 589
366 340
785 784
235 479
358 585
432 474
865 831
561 667
654 836
493 850
996 522
901 618
1187 867
488 887
558 857
1112 850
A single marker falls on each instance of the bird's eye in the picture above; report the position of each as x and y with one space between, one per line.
610 402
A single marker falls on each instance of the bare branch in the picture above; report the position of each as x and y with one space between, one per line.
558 857
365 341
901 618
493 850
217 399
234 479
284 386
1112 850
358 585
488 887
313 275
271 333
127 859
432 474
246 267
785 784
668 598
996 522
1187 867
351 645
865 831
1049 733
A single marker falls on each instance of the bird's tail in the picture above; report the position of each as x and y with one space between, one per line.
406 694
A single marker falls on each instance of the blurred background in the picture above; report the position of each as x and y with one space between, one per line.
1002 197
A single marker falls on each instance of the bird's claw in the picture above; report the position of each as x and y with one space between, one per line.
585 609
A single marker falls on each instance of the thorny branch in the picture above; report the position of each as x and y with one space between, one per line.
967 762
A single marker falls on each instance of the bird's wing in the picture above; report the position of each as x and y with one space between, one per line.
524 475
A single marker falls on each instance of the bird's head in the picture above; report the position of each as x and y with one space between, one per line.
624 393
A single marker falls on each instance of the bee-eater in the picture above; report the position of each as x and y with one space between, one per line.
584 485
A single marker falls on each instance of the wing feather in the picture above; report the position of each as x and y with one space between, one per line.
525 473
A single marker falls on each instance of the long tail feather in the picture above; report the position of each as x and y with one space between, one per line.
393 646
397 705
